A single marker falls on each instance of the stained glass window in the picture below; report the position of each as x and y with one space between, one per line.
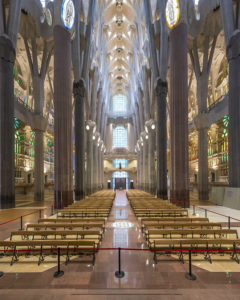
31 144
16 123
226 121
120 137
123 162
17 142
119 103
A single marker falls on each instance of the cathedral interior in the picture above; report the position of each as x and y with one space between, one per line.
119 146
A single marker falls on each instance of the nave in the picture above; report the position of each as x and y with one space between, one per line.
142 275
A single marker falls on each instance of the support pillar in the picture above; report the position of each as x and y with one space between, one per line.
144 165
151 162
233 55
89 161
7 180
102 169
63 118
146 170
138 169
99 168
38 94
141 169
39 166
79 93
179 191
161 131
203 164
95 167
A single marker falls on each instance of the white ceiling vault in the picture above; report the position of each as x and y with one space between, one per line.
120 49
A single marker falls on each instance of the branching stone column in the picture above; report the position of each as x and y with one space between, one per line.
161 90
231 25
7 184
79 94
38 79
233 55
201 121
179 192
8 39
63 118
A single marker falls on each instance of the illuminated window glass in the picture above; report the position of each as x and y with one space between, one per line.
120 139
119 103
123 162
122 174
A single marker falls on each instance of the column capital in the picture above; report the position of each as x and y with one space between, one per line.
233 47
161 87
79 88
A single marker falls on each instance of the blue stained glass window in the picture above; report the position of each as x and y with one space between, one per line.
123 162
120 137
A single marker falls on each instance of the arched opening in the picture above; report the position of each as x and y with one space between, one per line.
120 180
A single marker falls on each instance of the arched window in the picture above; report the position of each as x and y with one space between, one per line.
31 144
120 137
119 104
122 174
17 142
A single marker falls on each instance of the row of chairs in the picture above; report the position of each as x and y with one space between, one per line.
92 207
75 236
167 229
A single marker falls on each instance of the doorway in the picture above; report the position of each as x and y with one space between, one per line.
120 180
120 183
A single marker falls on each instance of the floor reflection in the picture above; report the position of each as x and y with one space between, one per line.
120 201
120 238
121 214
122 224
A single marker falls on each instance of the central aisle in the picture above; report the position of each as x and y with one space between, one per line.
118 235
140 270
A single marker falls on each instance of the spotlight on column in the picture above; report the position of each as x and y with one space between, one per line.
146 137
153 126
142 144
87 127
94 138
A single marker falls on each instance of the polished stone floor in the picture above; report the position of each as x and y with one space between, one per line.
143 279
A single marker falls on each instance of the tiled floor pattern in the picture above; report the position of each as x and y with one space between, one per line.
143 279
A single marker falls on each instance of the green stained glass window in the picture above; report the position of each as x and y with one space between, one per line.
226 121
16 123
